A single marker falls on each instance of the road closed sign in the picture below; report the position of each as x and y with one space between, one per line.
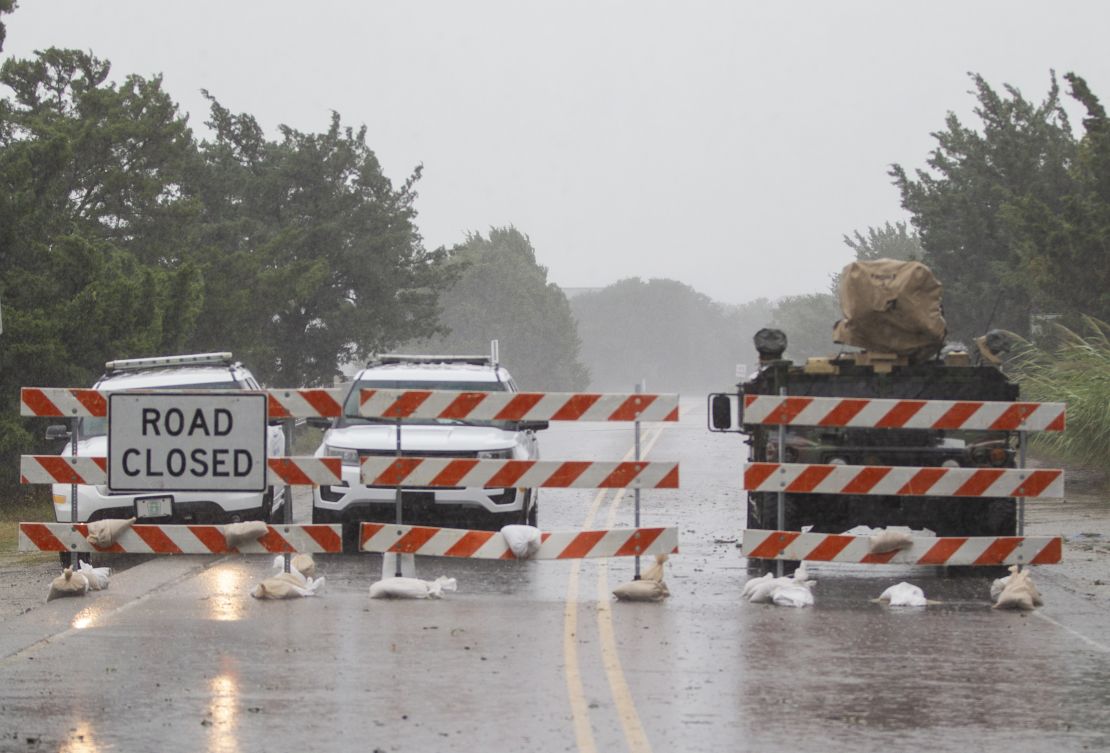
197 441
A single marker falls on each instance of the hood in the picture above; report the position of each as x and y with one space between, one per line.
94 447
382 437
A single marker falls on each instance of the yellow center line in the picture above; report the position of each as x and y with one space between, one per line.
580 712
634 733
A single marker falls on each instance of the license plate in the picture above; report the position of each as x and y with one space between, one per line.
154 507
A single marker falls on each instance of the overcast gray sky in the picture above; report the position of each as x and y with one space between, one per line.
725 144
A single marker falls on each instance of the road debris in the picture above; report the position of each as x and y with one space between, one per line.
68 583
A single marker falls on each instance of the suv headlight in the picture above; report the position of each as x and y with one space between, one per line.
346 455
505 454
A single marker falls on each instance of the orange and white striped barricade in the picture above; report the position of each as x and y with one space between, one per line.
70 402
63 469
527 474
866 413
960 482
925 550
403 471
802 478
181 539
456 542
289 404
518 406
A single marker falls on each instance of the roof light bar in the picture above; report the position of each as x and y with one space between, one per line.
399 358
197 359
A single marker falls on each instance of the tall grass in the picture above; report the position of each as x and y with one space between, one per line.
1075 370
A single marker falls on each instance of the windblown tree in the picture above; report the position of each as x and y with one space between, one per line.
120 237
895 241
501 292
1021 155
88 169
310 255
6 6
1064 246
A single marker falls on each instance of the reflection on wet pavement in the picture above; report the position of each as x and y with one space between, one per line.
223 710
227 586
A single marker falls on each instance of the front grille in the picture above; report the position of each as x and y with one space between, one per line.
418 454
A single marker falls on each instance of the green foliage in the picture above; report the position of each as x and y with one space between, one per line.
120 236
309 254
501 292
1064 248
666 333
887 242
1077 372
6 6
1021 154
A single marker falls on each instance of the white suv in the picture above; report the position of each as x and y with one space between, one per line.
204 371
352 436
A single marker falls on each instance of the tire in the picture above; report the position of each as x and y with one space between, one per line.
70 559
529 514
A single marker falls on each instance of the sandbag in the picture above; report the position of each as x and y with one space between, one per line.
524 541
904 595
792 595
412 588
891 306
304 564
97 577
642 590
68 583
788 589
753 583
243 533
650 586
1018 592
655 572
287 586
103 533
886 541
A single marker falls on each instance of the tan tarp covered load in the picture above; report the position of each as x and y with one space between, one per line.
891 307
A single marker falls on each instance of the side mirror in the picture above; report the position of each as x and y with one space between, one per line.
319 422
720 410
534 425
56 432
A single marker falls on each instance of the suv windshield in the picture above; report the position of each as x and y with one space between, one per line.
98 427
350 406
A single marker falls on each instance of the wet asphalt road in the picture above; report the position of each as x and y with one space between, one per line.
535 656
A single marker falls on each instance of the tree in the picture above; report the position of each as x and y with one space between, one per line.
310 256
887 242
87 168
501 292
6 6
1022 153
1064 249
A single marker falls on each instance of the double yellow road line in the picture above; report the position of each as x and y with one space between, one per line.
622 696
